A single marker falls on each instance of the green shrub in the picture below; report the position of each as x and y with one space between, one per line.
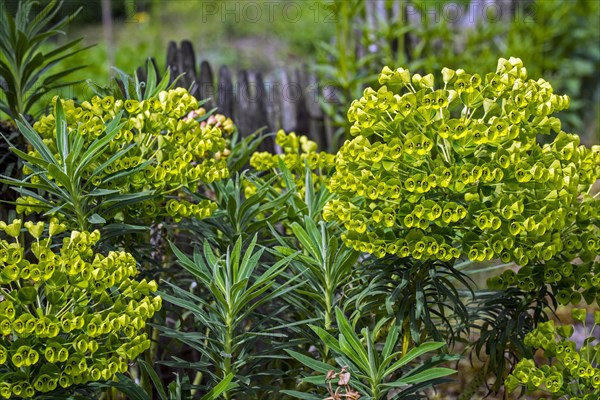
365 370
435 175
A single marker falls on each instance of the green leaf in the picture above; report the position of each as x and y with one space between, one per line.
300 395
184 260
189 305
327 339
102 192
60 177
34 161
150 79
125 386
315 365
62 140
111 160
119 229
224 386
27 295
414 353
127 172
96 219
155 379
123 200
348 333
430 374
44 15
98 146
35 140
306 241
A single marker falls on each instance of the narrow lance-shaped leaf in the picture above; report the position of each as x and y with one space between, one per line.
414 353
149 371
348 333
316 365
430 374
222 387
35 140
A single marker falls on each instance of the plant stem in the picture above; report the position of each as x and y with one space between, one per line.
374 391
153 351
327 321
328 308
197 380
82 223
227 346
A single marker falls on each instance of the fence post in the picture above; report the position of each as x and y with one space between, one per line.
187 61
242 104
289 101
316 126
225 92
273 106
206 85
260 117
288 111
172 61
302 116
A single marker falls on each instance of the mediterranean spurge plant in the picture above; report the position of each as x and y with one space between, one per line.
114 160
77 315
439 174
68 315
234 289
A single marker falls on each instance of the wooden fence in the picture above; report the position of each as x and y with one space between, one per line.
284 99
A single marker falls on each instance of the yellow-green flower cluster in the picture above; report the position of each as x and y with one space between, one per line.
165 129
444 172
298 153
570 282
67 317
574 375
29 205
178 208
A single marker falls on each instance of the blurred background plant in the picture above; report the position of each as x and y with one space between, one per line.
241 35
351 39
560 40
